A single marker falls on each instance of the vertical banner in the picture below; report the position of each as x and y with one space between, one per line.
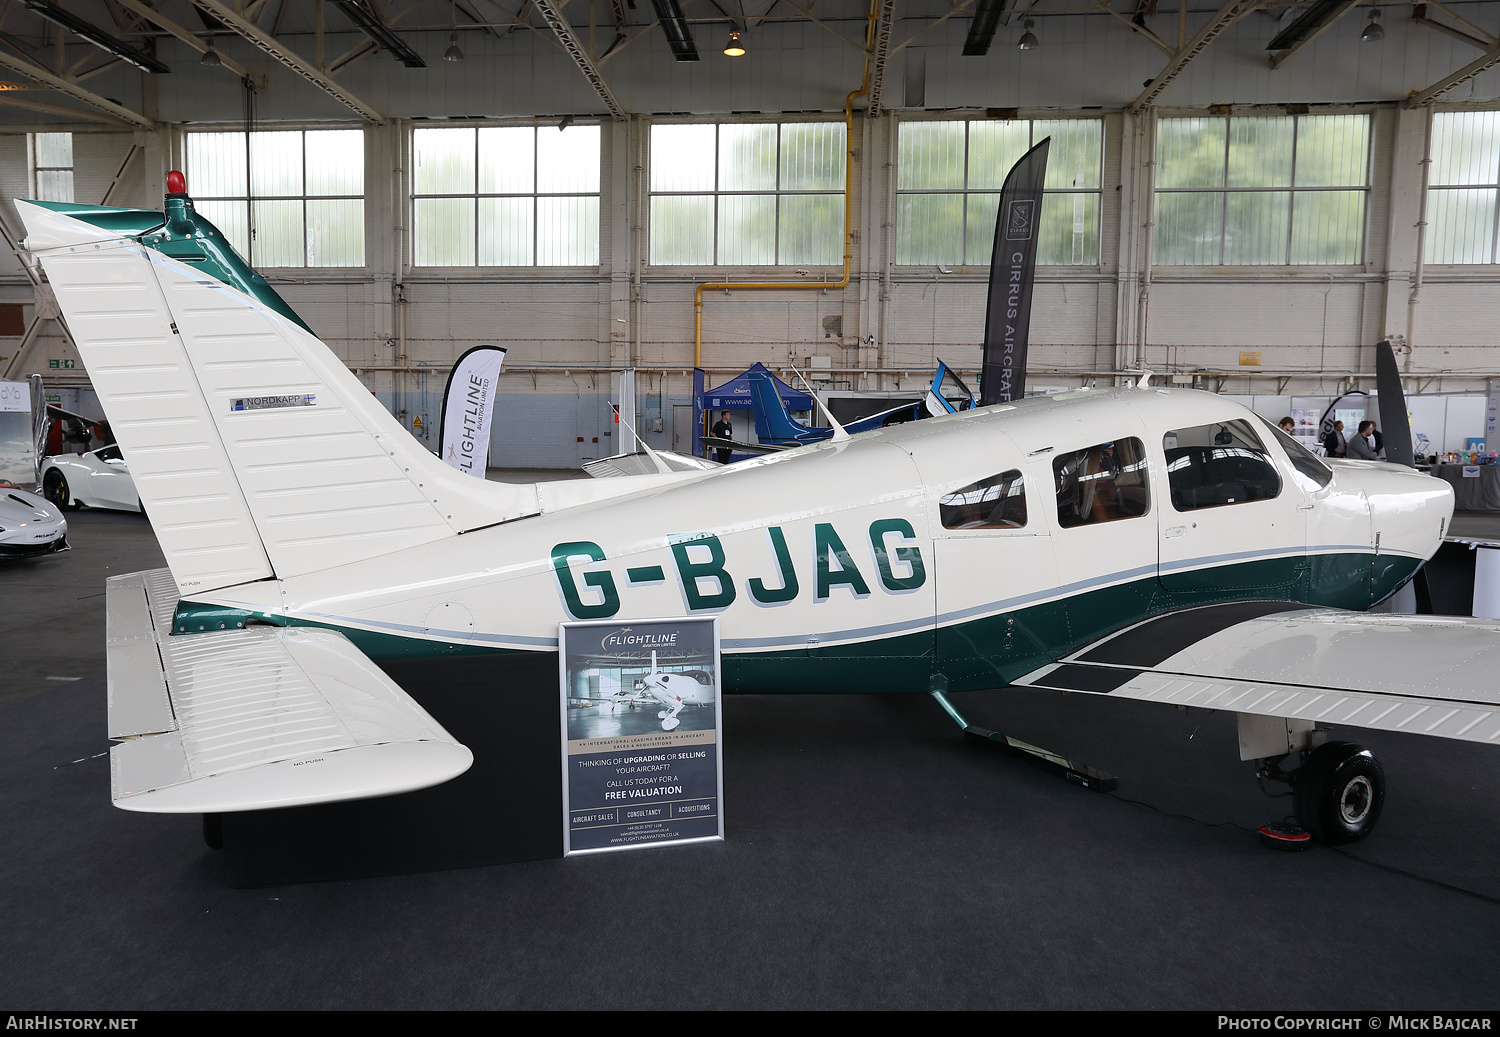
1007 318
17 446
641 760
468 405
626 410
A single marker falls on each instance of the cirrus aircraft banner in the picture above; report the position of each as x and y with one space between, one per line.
468 405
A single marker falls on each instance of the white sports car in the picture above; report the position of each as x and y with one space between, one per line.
98 479
29 525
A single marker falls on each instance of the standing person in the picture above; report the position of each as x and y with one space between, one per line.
1362 445
723 430
1333 443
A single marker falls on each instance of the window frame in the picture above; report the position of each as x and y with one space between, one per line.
1142 464
409 198
305 271
36 167
896 191
1493 188
1261 112
771 119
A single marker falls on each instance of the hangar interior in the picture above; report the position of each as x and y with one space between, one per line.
1243 197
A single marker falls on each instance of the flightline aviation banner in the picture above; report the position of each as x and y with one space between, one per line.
641 761
468 405
1007 318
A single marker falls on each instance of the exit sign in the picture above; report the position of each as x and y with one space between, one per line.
60 365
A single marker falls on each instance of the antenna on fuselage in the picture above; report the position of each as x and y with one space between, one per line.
839 432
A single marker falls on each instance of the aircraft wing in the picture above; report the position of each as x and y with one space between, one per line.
255 718
1431 675
719 443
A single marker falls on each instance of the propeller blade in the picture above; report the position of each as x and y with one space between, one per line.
1395 424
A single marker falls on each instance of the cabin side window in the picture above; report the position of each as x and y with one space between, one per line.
998 502
1102 483
1210 466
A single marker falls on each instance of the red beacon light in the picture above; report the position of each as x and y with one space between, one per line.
176 183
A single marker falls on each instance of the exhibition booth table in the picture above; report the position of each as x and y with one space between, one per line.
1475 487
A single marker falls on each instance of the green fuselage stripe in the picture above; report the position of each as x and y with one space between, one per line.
985 652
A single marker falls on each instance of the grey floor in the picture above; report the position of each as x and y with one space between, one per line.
874 859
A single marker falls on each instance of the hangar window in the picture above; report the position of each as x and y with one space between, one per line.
52 167
1218 464
1102 483
505 196
948 180
998 502
747 194
1261 190
1464 179
283 198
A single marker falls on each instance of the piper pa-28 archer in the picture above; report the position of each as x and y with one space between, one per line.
1156 544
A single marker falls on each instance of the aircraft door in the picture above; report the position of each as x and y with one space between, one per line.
1230 523
995 570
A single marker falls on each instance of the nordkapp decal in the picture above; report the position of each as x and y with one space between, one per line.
592 591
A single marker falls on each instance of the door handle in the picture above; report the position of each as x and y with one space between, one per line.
1175 531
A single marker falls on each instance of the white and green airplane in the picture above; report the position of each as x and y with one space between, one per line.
1143 543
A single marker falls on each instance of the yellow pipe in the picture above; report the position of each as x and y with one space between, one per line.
864 88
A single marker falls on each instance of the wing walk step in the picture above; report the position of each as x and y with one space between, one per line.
256 718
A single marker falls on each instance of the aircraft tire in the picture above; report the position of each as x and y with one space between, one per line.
1339 792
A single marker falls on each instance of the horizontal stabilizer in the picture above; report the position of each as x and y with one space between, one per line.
640 463
257 718
1431 675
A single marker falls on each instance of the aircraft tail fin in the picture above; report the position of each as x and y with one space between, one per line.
772 422
255 451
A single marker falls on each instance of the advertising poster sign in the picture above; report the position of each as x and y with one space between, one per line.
17 450
641 759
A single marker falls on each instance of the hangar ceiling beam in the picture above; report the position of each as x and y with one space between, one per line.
880 50
1104 5
1419 15
73 90
1231 12
1478 30
564 33
161 21
914 37
269 45
10 100
1483 63
1308 33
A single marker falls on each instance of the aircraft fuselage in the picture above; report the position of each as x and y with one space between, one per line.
839 567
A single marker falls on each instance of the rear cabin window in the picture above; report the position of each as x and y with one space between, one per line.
998 502
1102 483
1211 466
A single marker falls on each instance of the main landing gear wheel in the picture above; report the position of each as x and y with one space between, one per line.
670 723
1338 792
55 489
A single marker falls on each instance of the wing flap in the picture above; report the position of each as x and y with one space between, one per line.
257 718
1431 675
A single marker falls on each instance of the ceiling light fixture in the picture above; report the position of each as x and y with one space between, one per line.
211 58
453 53
1028 40
1374 30
735 49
